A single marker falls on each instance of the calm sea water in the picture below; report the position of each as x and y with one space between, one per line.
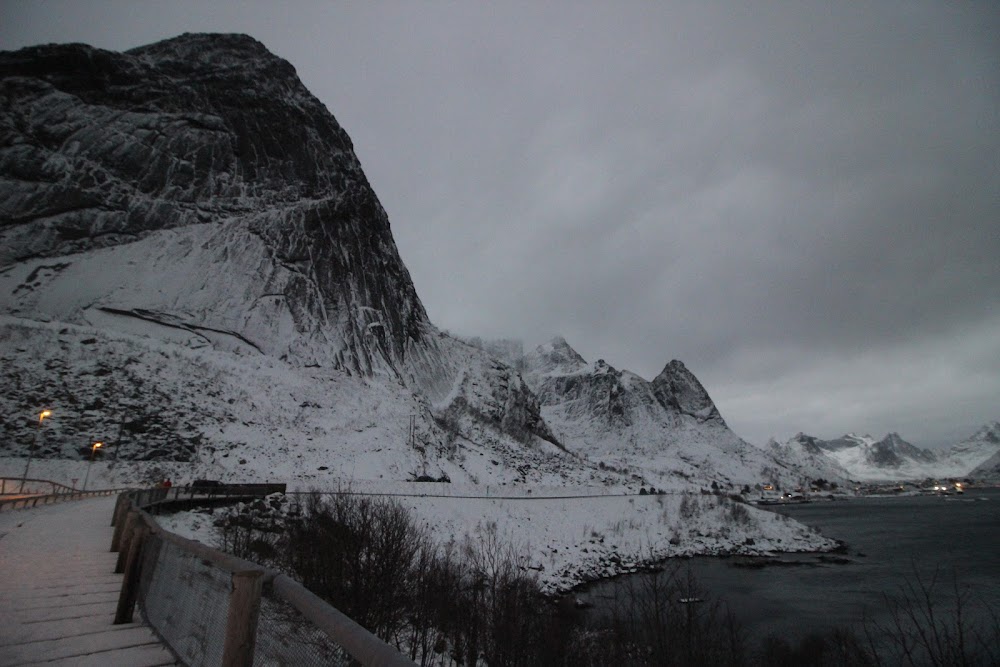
888 539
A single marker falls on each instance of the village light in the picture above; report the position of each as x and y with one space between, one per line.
93 450
31 451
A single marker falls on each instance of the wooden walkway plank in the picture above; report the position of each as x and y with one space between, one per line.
68 647
58 591
60 611
44 631
67 600
137 656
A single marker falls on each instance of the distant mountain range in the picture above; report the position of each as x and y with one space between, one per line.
863 457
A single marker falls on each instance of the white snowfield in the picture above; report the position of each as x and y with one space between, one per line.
245 418
58 591
567 541
242 417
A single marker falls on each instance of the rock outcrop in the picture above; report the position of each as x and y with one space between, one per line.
195 192
677 388
892 451
285 245
669 429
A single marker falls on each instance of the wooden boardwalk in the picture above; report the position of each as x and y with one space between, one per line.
58 592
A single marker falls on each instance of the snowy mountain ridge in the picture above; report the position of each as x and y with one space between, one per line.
189 204
195 270
891 457
194 192
667 431
805 453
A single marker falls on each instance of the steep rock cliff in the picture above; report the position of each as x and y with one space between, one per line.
194 191
279 241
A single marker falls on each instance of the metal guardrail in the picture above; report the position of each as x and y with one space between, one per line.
218 598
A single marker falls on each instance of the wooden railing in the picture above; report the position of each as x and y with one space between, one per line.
10 499
14 486
139 540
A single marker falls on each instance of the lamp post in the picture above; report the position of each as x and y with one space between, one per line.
31 451
93 450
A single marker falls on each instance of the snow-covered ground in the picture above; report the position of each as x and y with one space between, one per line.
569 541
189 413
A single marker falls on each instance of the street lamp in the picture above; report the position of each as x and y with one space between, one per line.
93 450
41 417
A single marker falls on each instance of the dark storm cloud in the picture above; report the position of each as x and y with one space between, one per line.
799 200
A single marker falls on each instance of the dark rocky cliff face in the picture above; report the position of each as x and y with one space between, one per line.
892 451
808 443
558 374
676 388
100 149
195 192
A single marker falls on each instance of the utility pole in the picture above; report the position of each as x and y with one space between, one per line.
118 440
31 452
93 450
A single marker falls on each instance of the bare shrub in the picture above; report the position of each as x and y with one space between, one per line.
935 621
663 619
357 552
476 602
689 506
739 514
469 603
931 621
835 649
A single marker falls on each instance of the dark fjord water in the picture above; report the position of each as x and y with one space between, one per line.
886 539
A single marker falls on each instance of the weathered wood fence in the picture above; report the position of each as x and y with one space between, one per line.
56 493
206 604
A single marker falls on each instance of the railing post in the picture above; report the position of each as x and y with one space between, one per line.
130 582
126 540
118 508
120 519
241 623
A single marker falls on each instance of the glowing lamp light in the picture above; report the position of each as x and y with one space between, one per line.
31 451
93 450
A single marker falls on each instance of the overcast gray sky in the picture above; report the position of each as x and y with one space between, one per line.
800 200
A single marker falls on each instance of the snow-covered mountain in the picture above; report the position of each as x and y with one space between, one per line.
193 193
865 458
196 184
862 457
195 271
972 456
192 261
988 469
805 453
668 430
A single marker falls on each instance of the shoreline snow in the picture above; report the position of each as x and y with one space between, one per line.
573 541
